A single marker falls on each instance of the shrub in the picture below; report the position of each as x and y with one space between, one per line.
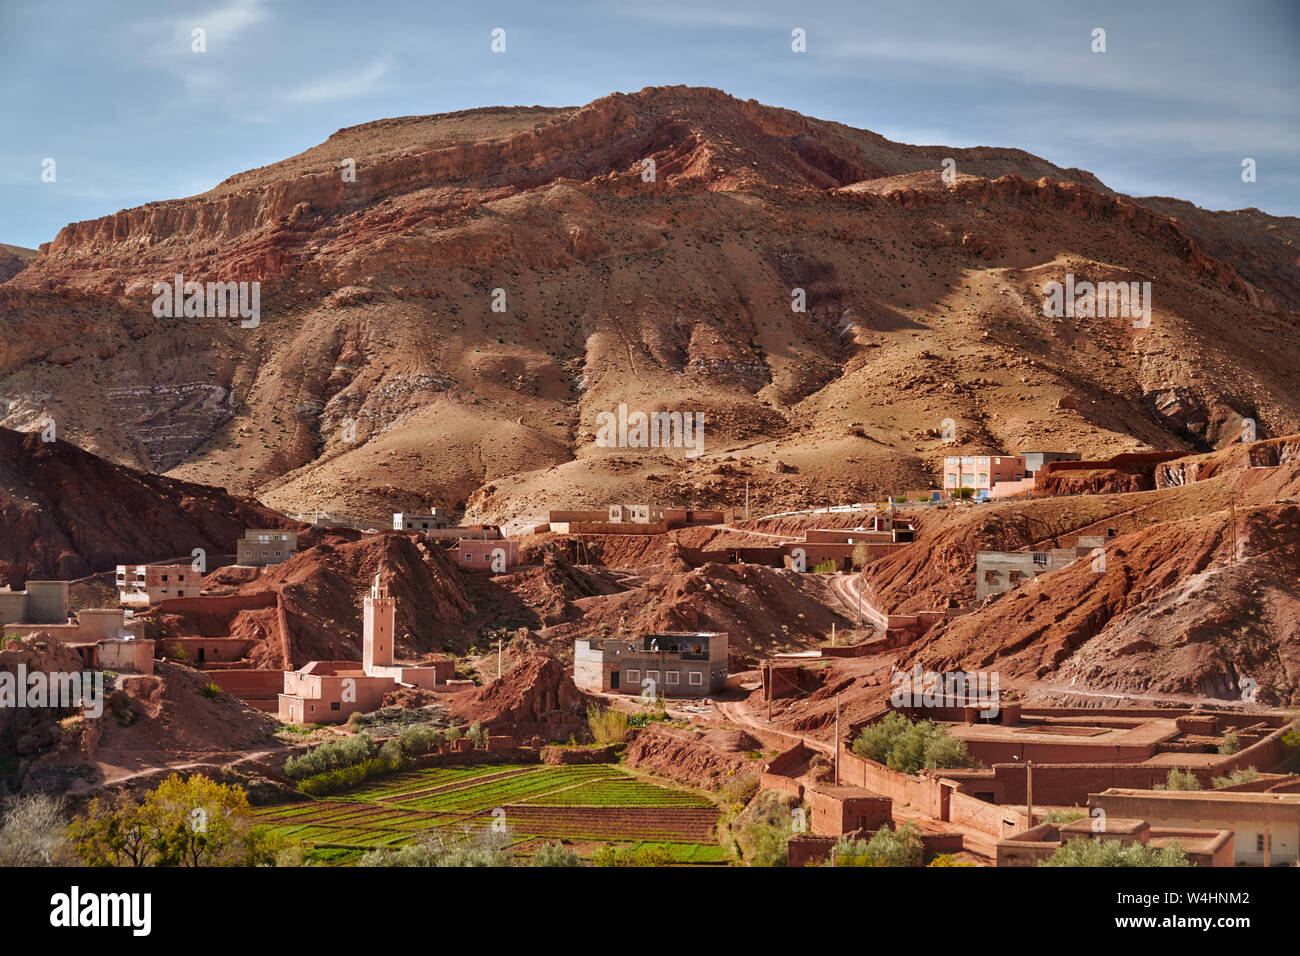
607 726
34 834
644 856
1234 778
487 848
740 790
419 739
555 854
1180 780
901 847
1231 744
341 778
1082 851
908 746
330 756
211 690
1291 741
829 566
476 735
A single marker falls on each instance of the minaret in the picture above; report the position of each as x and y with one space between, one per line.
377 625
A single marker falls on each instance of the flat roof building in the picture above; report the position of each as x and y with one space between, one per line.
147 584
262 546
672 664
407 521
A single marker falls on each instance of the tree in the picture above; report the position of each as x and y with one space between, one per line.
901 847
908 746
1082 851
190 822
34 833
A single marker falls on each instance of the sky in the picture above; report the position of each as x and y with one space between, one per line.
115 94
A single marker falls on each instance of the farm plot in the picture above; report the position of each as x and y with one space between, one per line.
585 804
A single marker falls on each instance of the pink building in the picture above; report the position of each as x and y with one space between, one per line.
326 692
494 556
981 472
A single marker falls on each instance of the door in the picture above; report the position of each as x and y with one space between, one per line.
613 680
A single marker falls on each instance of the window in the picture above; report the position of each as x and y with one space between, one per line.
277 554
674 678
990 577
1259 843
1040 557
335 705
180 594
248 554
263 554
633 677
652 675
952 479
1014 577
695 678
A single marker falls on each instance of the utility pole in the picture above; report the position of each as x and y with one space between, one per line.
1029 791
747 501
771 689
837 740
498 658
860 583
832 633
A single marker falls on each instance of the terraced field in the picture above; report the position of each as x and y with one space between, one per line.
586 806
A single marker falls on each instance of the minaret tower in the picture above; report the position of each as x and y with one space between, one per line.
377 619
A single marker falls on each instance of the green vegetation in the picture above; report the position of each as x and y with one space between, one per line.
901 847
1234 778
1180 780
607 726
1064 816
554 854
330 756
829 566
1291 741
649 855
1082 851
193 822
1230 744
908 746
211 690
575 804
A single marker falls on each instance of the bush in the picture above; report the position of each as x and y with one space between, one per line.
1082 851
476 735
419 739
332 781
555 854
487 848
907 746
740 790
1180 780
1234 778
607 726
644 856
34 834
211 690
901 847
1230 744
330 756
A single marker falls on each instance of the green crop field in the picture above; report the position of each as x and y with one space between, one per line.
588 806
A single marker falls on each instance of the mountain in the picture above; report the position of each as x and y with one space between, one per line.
378 376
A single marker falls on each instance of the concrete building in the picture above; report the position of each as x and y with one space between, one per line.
675 664
1035 460
88 627
980 472
43 602
479 555
1266 825
147 584
327 692
403 521
261 546
998 571
839 810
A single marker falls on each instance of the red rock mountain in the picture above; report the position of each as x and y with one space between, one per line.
380 378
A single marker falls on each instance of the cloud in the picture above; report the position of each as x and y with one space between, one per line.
342 86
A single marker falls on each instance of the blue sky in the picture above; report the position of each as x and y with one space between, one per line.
115 95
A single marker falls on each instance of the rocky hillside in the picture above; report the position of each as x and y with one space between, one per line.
65 512
381 377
